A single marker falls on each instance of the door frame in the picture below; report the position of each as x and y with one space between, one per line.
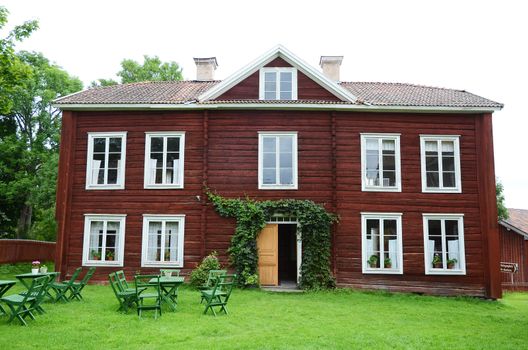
288 221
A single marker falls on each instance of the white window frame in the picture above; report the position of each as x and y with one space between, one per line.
277 71
147 183
147 218
366 269
394 137
261 185
89 161
458 182
429 270
119 257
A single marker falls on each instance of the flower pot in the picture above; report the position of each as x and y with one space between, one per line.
437 265
35 270
451 266
44 269
388 266
373 265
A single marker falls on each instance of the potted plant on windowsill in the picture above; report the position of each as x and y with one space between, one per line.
387 263
437 261
373 261
35 265
451 263
109 255
95 255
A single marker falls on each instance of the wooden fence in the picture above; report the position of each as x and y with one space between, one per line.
22 250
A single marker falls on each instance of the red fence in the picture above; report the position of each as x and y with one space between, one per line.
22 250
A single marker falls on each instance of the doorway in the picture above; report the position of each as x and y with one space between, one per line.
279 253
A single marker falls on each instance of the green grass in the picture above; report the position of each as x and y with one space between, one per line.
335 319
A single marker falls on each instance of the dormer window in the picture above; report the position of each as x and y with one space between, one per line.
278 83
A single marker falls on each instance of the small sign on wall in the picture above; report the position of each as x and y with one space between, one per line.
509 267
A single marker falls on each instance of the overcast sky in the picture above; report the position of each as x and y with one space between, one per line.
479 46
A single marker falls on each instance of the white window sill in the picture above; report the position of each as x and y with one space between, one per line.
383 271
445 272
441 190
105 187
278 187
162 187
380 189
162 265
102 263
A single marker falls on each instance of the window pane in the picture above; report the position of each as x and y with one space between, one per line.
431 163
269 95
269 176
434 227
431 147
112 176
286 177
286 77
269 144
173 144
286 160
270 87
156 144
269 160
432 179
114 160
389 178
389 227
99 144
372 144
389 161
285 95
115 144
448 163
270 76
171 241
372 241
285 144
152 241
448 148
96 240
451 227
449 179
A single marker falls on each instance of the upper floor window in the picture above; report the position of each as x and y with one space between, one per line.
444 244
163 240
278 83
106 160
440 164
277 161
164 159
104 238
380 162
382 243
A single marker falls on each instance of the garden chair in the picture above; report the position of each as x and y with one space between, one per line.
21 306
219 295
126 299
62 288
35 294
148 294
77 287
211 280
174 272
121 279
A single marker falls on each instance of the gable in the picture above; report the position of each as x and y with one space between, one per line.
307 89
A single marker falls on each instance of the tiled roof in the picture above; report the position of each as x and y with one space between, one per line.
179 92
518 218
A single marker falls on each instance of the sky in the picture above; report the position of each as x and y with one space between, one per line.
478 46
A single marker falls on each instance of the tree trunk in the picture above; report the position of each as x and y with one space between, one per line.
24 221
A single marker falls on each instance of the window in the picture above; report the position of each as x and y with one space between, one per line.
440 164
164 159
277 160
104 238
380 162
163 240
444 244
382 243
106 161
278 84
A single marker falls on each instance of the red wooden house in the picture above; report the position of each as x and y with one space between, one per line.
408 168
513 234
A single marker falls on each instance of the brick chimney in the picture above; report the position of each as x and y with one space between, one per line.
330 66
205 68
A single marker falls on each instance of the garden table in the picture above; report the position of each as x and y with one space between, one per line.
4 287
169 287
27 278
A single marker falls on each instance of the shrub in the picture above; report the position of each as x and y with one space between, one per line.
200 274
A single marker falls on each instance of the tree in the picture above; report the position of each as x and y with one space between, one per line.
152 69
30 162
501 206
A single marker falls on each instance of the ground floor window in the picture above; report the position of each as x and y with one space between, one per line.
444 244
104 237
382 243
163 240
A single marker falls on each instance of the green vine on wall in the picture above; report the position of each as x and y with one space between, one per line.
251 215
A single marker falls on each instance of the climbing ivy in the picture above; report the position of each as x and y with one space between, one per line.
251 215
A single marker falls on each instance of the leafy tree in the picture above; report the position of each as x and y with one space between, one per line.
501 206
152 69
31 153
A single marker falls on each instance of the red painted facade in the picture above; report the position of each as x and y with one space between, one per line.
221 151
514 249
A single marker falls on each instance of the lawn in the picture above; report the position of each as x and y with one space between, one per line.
262 320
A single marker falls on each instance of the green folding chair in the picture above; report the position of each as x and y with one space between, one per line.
209 284
126 299
220 294
77 287
148 294
21 306
61 289
123 284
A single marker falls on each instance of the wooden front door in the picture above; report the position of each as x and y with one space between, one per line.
268 254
